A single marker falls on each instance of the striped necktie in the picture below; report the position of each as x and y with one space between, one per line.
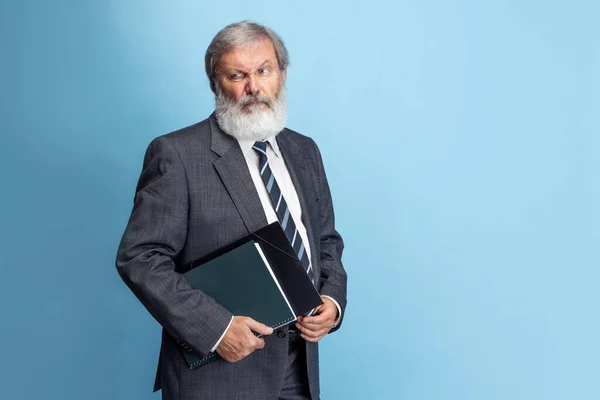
281 208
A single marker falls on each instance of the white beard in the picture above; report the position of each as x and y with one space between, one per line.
259 123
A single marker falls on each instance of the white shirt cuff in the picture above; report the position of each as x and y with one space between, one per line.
223 335
339 318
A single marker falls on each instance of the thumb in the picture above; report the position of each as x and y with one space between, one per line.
258 327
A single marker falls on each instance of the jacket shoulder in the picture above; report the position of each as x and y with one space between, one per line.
185 140
201 128
302 140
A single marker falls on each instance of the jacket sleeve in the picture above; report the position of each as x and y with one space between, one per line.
333 275
154 236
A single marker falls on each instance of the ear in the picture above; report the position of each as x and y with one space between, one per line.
284 74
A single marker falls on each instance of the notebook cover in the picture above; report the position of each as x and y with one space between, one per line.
237 278
240 282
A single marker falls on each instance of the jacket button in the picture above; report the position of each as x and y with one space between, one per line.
280 334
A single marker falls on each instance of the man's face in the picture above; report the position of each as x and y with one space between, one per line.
250 70
251 101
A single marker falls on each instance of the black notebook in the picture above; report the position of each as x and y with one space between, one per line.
260 277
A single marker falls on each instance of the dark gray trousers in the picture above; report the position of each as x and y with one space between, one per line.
295 385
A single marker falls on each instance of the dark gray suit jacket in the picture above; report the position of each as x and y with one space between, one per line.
194 196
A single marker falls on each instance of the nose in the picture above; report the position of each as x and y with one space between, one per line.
252 85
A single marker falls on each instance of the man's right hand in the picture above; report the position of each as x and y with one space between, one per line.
239 340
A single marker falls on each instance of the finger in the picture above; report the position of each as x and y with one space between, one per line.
310 339
323 309
324 321
309 334
259 343
307 327
318 319
322 318
321 329
304 329
311 327
312 320
258 327
313 332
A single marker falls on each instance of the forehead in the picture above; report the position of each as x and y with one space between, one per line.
249 56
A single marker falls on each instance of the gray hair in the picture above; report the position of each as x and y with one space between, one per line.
239 34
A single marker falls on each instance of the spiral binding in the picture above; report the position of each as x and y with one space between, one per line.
213 356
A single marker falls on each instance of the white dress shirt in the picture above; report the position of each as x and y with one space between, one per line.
282 176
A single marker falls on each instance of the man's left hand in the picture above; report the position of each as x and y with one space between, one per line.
313 328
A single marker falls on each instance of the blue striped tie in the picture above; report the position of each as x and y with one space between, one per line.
281 208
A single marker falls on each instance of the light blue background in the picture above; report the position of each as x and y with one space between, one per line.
461 144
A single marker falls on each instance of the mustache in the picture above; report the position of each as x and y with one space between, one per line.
251 99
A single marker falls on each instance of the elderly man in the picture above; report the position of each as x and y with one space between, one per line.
210 184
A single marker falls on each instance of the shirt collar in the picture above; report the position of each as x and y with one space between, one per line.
246 145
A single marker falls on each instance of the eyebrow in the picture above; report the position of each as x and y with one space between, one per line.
238 70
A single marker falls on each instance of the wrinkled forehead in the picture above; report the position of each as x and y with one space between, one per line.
248 56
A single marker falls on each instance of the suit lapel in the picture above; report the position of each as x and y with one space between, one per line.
233 170
304 184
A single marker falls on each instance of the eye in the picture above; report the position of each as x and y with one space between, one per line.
235 77
263 71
